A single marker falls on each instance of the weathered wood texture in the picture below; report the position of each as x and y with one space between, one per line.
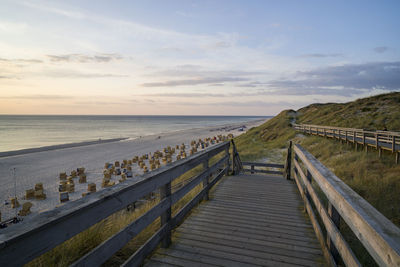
249 220
263 165
380 140
380 237
25 241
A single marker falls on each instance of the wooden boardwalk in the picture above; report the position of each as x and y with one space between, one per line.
250 220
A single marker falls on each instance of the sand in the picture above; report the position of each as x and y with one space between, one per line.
43 165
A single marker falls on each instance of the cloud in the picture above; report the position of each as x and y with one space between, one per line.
78 74
237 103
80 58
188 95
21 60
195 81
5 77
318 55
38 96
346 80
381 49
190 70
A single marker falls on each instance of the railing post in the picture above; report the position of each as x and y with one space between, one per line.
393 143
377 145
206 180
165 192
228 160
335 217
289 161
252 169
364 144
355 140
233 160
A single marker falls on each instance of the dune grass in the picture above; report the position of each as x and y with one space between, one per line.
373 178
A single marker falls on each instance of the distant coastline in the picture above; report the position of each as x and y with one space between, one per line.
21 133
55 147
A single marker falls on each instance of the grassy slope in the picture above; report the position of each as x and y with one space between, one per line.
374 179
376 112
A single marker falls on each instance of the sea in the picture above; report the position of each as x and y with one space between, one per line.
33 131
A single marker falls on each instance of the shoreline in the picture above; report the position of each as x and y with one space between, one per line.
44 166
60 146
18 152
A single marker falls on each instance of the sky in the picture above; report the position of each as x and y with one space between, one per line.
182 57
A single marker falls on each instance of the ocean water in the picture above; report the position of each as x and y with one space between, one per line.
31 131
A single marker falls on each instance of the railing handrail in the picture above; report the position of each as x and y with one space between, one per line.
379 235
361 131
23 242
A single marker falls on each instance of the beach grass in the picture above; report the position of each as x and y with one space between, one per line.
76 247
374 179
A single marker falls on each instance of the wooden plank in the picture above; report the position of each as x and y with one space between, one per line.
266 209
179 261
46 230
336 237
277 208
271 225
233 215
205 256
266 240
259 164
290 232
222 258
254 197
260 233
379 235
137 258
105 250
294 217
272 253
155 263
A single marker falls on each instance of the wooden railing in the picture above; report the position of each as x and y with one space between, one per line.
379 236
267 168
264 165
381 140
23 242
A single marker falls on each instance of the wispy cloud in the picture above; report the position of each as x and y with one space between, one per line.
80 74
81 58
185 95
320 55
22 60
6 77
202 80
38 97
346 80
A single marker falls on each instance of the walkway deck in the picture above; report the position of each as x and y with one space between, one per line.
249 220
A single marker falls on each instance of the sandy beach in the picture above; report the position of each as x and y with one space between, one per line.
43 165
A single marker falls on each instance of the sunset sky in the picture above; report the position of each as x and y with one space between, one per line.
194 57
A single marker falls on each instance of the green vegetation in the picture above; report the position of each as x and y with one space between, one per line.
375 179
76 247
375 112
258 142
